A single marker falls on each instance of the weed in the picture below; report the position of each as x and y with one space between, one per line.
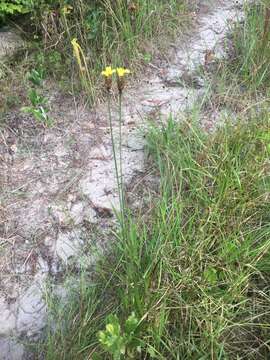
196 273
38 107
36 77
40 113
240 83
117 343
50 63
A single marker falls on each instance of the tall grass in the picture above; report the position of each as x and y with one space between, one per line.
252 44
109 32
196 273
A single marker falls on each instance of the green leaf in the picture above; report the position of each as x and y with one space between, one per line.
111 338
131 324
39 113
36 77
147 58
35 98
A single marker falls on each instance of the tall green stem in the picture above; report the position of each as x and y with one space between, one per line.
120 156
119 182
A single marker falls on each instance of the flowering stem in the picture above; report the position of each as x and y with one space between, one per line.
114 153
122 202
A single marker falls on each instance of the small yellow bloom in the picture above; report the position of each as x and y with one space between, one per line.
67 9
121 72
108 72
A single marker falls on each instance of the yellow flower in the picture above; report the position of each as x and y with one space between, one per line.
121 72
67 9
108 72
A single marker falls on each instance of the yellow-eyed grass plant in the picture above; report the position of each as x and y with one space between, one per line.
108 75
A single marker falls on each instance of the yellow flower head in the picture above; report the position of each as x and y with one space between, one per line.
121 72
108 72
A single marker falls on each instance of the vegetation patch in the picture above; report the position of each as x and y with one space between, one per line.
194 279
188 278
106 31
252 47
13 7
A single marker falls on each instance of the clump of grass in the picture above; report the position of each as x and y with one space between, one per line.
252 45
195 276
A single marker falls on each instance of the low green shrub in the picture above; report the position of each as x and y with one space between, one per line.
38 104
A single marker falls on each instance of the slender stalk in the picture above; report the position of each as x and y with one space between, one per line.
120 157
114 154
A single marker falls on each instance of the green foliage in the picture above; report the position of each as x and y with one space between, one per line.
109 32
36 77
40 113
12 7
35 98
196 270
38 107
252 45
120 344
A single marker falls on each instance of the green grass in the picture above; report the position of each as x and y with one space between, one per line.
109 32
252 46
196 273
239 83
121 33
